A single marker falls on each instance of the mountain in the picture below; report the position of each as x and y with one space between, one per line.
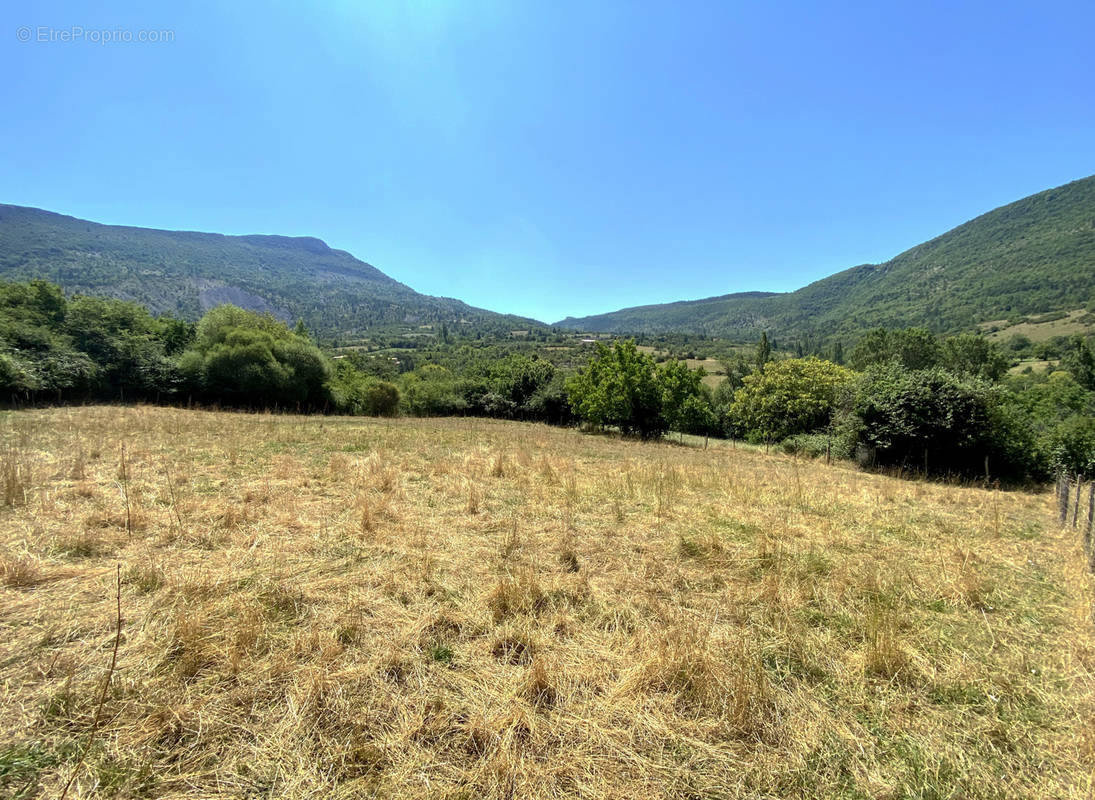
1033 256
185 273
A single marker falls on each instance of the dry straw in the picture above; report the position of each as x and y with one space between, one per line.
344 608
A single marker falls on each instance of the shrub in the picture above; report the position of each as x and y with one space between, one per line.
939 421
789 397
1071 446
357 392
243 358
839 445
432 391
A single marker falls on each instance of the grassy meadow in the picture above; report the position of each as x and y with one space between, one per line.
461 608
1078 321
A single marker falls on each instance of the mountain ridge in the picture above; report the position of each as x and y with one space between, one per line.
1033 255
186 272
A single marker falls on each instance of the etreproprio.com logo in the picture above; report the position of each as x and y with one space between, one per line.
45 34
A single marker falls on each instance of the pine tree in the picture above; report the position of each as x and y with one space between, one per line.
838 353
764 351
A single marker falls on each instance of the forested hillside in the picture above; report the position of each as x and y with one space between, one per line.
1033 256
186 273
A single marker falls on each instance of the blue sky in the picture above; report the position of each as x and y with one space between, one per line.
553 158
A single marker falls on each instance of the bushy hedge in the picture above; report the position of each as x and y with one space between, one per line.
84 347
241 358
918 402
938 421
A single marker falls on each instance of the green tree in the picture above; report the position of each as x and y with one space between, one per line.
243 358
722 401
358 392
736 367
127 343
86 346
549 402
1019 343
939 421
432 391
764 351
971 354
1080 362
873 347
619 387
685 406
1072 446
516 379
36 355
697 415
1051 398
792 396
912 348
838 353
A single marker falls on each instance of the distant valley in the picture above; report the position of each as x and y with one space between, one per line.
1028 263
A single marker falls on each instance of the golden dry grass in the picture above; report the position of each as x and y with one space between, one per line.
1040 331
321 607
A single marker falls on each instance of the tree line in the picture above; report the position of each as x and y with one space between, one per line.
901 398
82 348
906 399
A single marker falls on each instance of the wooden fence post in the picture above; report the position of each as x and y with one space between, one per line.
1076 507
1090 514
1062 497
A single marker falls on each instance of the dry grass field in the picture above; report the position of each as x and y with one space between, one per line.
1077 322
344 608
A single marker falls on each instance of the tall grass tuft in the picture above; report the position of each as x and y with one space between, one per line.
15 476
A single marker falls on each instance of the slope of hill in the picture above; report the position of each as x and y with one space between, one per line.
1032 256
185 273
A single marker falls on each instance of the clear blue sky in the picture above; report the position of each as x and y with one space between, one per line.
553 158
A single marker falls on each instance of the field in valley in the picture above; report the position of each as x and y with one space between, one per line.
463 608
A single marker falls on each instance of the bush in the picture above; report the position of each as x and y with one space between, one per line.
549 402
839 445
1071 447
941 421
433 391
788 397
247 359
381 399
357 392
